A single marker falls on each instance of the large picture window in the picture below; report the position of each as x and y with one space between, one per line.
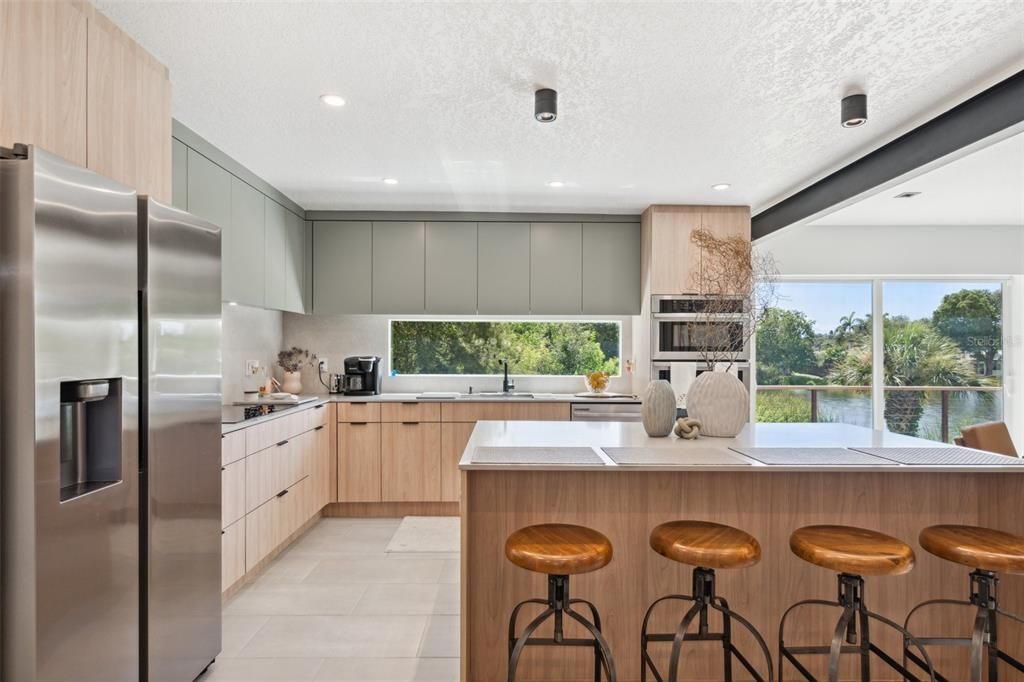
476 347
939 369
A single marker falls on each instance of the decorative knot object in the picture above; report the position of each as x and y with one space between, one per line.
687 428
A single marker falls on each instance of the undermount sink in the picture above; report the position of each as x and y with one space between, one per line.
500 394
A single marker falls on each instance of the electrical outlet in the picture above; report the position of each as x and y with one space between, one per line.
323 366
252 368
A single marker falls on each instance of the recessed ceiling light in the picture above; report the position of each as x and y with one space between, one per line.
545 105
232 303
556 183
390 181
906 195
721 186
854 111
332 100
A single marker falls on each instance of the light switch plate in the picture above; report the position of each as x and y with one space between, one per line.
252 367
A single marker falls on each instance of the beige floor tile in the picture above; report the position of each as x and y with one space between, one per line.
417 599
262 670
236 631
448 598
389 670
440 556
375 570
288 569
452 571
325 546
288 599
337 637
441 640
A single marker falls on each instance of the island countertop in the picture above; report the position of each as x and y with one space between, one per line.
552 437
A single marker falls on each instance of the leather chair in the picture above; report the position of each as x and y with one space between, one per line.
991 437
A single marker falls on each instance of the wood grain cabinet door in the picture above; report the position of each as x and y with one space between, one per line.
411 462
232 482
454 436
359 464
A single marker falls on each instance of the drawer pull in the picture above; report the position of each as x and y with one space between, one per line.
410 423
319 427
318 407
282 493
284 442
357 403
222 532
223 468
358 423
410 403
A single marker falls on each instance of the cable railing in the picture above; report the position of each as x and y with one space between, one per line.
944 400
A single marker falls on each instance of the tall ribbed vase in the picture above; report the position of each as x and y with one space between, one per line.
659 408
720 401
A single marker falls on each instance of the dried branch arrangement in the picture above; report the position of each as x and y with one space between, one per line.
740 286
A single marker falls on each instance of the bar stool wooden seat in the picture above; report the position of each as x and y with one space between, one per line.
852 553
987 551
706 546
559 550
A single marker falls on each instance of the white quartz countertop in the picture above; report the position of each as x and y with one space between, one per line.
282 410
596 435
477 398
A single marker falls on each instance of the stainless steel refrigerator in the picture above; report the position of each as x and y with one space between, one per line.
109 429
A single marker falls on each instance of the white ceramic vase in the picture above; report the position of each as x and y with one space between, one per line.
292 382
720 402
659 409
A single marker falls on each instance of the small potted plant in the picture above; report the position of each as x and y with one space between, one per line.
292 361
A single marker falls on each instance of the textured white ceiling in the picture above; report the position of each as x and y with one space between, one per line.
657 101
982 188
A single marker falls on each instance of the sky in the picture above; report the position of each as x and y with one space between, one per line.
826 302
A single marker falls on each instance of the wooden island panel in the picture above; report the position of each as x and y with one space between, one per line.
626 506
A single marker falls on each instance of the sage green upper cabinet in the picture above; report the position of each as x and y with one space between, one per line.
556 268
503 264
342 267
179 175
209 197
294 270
243 265
611 269
398 255
307 266
276 257
451 268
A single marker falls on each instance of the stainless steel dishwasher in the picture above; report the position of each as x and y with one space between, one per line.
605 412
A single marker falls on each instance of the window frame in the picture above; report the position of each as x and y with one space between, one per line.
877 283
391 320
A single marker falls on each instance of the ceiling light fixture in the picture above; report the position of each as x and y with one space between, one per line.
545 105
556 183
390 181
332 100
232 302
854 110
722 186
906 195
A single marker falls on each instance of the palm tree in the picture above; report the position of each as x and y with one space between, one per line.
915 354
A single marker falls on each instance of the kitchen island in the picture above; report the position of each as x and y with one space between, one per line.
519 473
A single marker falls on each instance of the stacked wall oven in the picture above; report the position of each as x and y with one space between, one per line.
110 438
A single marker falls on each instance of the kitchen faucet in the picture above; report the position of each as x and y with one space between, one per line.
506 385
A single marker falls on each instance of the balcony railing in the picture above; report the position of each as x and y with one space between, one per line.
944 392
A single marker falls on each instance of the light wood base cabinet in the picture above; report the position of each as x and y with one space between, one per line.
454 436
232 490
359 465
232 549
411 462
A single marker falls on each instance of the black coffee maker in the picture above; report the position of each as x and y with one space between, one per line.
362 375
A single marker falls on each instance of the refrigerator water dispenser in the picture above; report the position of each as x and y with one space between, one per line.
90 436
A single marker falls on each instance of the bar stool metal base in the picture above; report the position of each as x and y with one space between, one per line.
983 641
703 598
558 606
845 638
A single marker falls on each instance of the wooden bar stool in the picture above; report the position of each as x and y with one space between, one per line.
559 550
852 553
987 551
705 546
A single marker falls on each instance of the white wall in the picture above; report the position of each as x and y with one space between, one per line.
339 336
247 334
940 251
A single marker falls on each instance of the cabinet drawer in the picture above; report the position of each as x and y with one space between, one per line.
270 433
232 492
359 462
316 416
410 412
411 462
232 554
358 412
271 523
526 411
274 469
232 447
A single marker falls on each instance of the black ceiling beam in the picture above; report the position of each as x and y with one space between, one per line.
997 108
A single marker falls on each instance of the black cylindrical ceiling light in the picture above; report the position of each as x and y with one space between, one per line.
545 105
854 111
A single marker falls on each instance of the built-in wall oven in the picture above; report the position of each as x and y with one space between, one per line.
681 372
686 327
